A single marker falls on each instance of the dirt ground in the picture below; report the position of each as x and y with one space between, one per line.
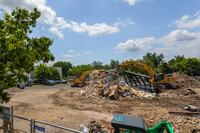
65 106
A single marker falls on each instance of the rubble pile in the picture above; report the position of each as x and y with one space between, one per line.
107 84
185 81
13 90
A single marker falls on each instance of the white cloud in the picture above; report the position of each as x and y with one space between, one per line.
50 63
67 59
179 36
58 24
93 30
79 54
178 42
188 21
87 52
56 31
61 23
47 14
190 49
132 2
68 56
124 23
71 51
133 58
133 45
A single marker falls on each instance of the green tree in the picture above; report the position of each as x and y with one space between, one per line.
66 66
43 72
18 51
106 67
190 66
173 63
155 59
78 70
97 65
113 64
54 73
164 68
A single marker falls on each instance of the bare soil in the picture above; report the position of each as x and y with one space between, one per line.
65 106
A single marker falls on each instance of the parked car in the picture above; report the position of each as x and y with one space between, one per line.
48 82
57 81
63 81
20 85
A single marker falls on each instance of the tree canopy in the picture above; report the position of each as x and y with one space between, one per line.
97 65
18 50
43 72
113 64
66 66
78 70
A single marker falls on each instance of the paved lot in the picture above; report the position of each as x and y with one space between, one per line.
42 87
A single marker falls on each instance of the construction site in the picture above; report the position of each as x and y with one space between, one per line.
99 66
105 94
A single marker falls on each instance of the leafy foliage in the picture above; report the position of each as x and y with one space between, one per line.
66 66
153 60
54 73
18 51
43 72
78 70
190 66
97 65
113 64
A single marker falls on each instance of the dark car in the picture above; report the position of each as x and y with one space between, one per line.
48 82
63 81
57 81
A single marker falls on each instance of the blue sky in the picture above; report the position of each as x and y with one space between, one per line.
101 30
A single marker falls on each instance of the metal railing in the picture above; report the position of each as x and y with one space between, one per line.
24 125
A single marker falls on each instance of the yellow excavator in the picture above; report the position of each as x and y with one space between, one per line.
160 81
80 80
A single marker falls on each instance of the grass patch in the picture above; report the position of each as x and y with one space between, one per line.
39 85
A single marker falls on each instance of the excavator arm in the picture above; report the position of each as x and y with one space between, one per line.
80 80
82 77
154 78
139 65
160 128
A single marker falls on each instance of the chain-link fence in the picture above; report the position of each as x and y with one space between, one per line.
24 125
21 124
51 128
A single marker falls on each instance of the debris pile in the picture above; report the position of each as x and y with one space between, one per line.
13 90
107 84
186 81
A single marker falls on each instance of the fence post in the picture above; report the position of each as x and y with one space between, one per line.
32 125
12 122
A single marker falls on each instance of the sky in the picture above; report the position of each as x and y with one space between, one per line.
100 30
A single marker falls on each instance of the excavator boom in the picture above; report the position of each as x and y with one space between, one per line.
160 81
81 79
160 128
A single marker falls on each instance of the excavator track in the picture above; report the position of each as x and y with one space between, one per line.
159 88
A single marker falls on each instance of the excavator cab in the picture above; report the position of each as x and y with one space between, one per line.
159 77
125 124
128 124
